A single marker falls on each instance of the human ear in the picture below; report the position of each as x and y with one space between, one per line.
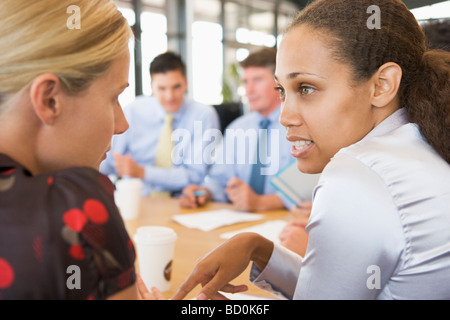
386 84
45 92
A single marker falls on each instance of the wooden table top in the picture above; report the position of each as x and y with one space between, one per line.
192 244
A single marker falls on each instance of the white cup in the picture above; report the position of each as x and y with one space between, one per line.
155 249
128 197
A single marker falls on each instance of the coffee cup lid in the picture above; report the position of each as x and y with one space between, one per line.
155 234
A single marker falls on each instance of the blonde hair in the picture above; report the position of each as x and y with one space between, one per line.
36 38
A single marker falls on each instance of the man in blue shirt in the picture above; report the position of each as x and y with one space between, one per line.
136 152
257 133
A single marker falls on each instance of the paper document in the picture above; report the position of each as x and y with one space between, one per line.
210 220
245 296
270 230
294 184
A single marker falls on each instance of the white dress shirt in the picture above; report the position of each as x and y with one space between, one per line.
237 161
379 226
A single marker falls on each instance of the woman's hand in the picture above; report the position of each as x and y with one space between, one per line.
226 262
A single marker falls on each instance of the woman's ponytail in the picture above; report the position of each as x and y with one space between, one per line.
427 100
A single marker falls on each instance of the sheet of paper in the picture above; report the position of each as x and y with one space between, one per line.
210 220
269 230
245 296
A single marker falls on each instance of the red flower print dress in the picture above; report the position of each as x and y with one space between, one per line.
61 235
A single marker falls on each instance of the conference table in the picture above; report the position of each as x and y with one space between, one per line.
192 244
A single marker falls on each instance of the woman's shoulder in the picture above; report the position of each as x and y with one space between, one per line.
82 179
61 219
397 154
52 192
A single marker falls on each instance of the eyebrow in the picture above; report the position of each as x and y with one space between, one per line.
175 86
294 75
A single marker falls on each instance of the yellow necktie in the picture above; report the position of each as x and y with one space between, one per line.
165 144
164 149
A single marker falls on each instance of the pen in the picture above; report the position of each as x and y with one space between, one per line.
196 194
199 193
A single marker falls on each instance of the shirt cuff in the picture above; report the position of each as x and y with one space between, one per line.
280 275
153 174
154 179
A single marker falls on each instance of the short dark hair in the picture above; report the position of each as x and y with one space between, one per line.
168 61
265 58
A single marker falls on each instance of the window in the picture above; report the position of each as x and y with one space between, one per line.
207 61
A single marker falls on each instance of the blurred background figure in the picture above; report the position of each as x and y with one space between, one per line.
146 150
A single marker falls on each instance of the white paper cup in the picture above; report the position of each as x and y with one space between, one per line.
155 249
128 197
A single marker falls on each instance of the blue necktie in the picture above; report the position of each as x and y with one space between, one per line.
257 180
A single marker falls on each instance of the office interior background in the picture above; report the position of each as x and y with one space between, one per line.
212 36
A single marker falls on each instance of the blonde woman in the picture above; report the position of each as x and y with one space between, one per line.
61 236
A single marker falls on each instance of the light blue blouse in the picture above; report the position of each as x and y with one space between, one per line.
379 227
195 127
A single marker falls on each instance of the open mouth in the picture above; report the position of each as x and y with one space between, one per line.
302 144
301 148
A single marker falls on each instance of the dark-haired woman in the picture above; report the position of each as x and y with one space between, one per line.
369 109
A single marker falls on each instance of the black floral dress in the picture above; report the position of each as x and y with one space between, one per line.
61 235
